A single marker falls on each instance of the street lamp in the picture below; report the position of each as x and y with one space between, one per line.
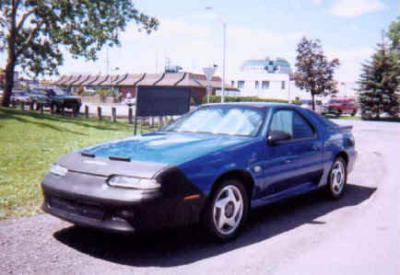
223 56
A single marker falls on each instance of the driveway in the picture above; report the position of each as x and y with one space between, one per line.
359 234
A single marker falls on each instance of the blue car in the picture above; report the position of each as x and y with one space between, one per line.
211 165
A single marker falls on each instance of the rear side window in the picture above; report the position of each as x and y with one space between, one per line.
321 119
301 128
291 122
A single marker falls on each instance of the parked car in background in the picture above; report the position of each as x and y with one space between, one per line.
211 166
20 96
307 104
340 106
56 99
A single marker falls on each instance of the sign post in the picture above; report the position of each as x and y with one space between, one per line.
209 72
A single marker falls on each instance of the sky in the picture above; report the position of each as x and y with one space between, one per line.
190 35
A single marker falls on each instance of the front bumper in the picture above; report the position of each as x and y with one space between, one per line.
88 200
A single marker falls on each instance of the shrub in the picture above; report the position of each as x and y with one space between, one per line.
103 93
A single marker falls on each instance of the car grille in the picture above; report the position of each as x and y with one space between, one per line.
76 208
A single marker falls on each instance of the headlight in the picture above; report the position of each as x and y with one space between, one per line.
135 183
58 170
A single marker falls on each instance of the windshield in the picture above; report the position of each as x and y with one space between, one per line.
226 120
60 92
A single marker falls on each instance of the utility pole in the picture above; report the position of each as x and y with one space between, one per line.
223 55
107 62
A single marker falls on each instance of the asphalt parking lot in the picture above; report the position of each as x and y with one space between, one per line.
359 234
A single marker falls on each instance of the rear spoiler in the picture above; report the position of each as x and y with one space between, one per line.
347 128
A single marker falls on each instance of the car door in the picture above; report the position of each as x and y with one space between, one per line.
294 162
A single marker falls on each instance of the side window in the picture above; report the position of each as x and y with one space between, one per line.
282 121
301 128
292 123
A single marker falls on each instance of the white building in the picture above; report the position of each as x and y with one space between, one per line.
264 78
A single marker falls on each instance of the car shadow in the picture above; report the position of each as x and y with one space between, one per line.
182 246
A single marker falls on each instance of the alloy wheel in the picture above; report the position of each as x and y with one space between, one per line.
228 209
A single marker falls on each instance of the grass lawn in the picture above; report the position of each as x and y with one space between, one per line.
31 142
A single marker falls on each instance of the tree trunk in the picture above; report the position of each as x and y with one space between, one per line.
313 101
11 58
9 82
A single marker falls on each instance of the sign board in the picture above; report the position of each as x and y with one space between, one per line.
162 101
209 72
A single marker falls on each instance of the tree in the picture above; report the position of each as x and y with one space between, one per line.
379 81
394 37
35 32
314 73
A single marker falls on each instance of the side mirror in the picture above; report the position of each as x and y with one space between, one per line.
277 136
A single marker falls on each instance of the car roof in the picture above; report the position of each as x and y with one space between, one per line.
259 104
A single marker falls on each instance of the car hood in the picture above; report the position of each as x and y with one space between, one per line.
165 147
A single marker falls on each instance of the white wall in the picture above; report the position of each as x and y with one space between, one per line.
274 90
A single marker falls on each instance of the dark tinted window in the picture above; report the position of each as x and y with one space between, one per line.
301 128
321 119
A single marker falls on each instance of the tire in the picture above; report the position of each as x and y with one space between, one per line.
226 211
53 108
337 178
353 113
75 109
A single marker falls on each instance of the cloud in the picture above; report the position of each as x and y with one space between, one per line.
316 2
356 8
351 61
194 44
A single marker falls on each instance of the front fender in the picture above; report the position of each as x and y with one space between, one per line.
207 170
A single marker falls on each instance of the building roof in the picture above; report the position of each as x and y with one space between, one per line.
171 79
215 82
150 79
114 79
72 80
62 78
100 80
180 79
189 81
130 80
279 65
83 79
90 80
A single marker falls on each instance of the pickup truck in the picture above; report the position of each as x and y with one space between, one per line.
56 99
340 106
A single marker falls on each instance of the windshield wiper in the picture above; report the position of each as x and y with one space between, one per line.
119 158
85 154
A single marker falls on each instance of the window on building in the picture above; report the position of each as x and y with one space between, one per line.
265 85
256 84
283 84
240 84
233 82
